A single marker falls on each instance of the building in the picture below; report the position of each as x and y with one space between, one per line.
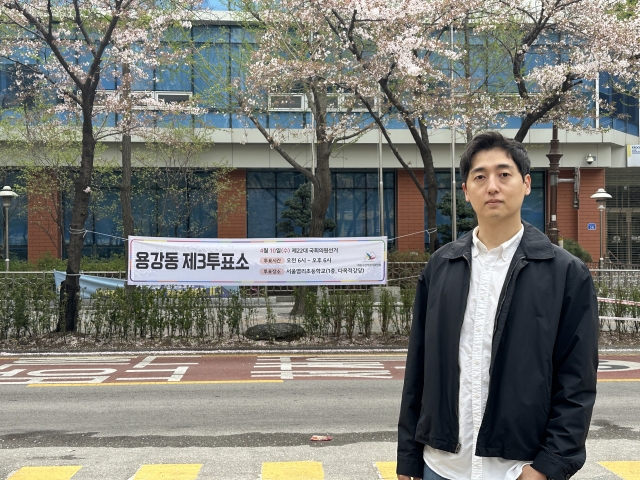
263 180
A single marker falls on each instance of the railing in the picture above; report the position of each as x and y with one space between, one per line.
615 278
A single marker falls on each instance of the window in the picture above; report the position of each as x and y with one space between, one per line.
189 211
354 202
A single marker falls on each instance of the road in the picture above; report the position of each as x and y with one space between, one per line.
243 417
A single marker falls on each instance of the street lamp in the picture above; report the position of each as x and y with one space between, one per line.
7 197
554 157
601 196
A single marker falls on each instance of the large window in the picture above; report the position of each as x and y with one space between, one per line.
624 117
354 202
186 209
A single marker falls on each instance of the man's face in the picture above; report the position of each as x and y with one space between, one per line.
495 187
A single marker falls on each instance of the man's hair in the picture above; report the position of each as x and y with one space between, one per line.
490 140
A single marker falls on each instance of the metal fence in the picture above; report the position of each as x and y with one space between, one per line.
614 278
402 274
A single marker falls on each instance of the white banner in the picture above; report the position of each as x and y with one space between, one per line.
633 155
257 261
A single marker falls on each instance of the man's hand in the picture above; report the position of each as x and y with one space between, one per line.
404 477
530 473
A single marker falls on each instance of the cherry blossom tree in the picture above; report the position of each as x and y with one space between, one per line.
67 47
400 53
294 52
533 60
556 52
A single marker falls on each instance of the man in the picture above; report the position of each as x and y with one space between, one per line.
501 370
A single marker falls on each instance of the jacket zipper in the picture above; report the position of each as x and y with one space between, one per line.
495 323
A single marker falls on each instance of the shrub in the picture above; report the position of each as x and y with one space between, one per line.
397 256
116 263
576 249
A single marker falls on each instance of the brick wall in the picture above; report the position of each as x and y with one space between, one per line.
591 179
42 204
572 223
567 216
232 207
410 213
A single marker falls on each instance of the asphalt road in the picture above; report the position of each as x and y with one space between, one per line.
233 428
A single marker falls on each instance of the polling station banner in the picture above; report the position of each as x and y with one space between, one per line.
253 261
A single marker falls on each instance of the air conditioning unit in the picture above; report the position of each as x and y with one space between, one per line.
173 97
287 102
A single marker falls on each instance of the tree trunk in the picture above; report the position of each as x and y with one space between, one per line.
319 207
432 188
70 289
125 195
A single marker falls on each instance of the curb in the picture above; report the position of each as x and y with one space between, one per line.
254 351
227 351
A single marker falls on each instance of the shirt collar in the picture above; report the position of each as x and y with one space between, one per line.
505 250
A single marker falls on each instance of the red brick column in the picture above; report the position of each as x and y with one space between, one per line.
410 213
232 207
572 223
591 179
43 206
567 216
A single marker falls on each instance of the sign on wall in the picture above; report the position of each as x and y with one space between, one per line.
633 155
252 261
591 226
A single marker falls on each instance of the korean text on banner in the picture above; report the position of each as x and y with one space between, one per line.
265 261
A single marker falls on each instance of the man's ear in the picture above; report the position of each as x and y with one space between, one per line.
527 181
464 189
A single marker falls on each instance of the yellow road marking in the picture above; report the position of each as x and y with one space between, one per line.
387 470
125 383
292 471
625 470
45 473
168 472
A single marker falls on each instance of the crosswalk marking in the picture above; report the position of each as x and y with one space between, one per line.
270 471
386 470
45 473
625 470
186 471
292 471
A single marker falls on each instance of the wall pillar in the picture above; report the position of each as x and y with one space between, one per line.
572 222
232 207
410 213
43 212
567 214
591 179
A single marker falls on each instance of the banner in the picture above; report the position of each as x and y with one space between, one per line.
633 155
89 283
253 261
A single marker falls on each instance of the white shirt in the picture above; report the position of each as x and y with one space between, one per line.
488 274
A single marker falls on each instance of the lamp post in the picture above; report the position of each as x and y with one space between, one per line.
554 156
7 197
601 196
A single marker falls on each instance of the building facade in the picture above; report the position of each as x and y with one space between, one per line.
262 180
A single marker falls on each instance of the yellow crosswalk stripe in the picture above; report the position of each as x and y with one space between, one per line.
186 471
625 470
292 471
45 473
387 470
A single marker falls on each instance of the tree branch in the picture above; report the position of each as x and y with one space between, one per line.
80 23
308 175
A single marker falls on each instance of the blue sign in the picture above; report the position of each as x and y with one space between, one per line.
591 226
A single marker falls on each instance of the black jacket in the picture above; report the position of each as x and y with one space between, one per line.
544 360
